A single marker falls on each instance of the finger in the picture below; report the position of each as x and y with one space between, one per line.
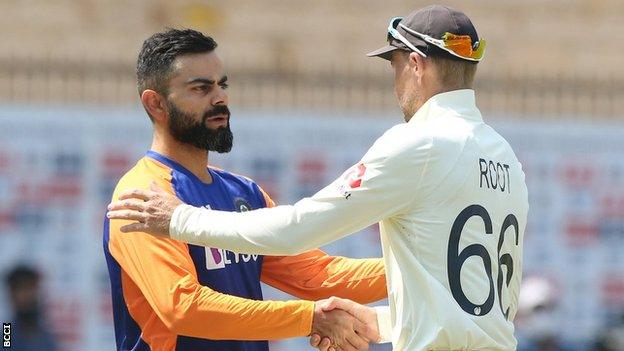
330 304
130 215
315 340
128 204
336 302
346 346
357 342
134 227
325 345
136 194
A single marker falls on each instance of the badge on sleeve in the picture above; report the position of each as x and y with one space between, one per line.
354 175
352 179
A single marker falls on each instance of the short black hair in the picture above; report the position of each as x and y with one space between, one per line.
161 49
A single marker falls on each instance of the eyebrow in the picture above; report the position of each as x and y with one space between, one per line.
206 80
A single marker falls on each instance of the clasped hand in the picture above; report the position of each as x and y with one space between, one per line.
343 325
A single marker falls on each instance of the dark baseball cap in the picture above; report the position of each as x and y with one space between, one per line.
433 21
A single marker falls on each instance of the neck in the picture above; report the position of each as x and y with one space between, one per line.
429 93
443 89
190 157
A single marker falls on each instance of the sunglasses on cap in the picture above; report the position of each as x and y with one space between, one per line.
456 45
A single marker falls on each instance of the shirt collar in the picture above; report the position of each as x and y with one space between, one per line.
459 102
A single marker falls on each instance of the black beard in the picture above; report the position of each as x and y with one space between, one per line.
185 129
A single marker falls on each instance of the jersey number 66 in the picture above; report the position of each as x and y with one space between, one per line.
456 259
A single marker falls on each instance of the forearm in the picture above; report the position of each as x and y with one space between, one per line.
282 230
360 280
314 275
213 315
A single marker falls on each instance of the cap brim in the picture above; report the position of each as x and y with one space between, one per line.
383 52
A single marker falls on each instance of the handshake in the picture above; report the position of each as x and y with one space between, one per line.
343 325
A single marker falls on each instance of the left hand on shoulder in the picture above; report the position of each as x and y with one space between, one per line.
151 209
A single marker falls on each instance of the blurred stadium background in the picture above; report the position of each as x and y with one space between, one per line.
306 104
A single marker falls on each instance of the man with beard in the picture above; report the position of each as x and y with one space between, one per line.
168 295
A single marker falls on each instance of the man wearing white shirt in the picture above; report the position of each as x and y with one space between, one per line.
447 190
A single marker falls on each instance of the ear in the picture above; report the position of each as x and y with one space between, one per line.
418 62
413 59
154 104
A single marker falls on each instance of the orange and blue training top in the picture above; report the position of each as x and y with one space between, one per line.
168 295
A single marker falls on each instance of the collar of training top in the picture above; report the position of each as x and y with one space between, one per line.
461 101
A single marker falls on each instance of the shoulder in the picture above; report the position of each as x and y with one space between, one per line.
400 142
144 172
141 176
448 132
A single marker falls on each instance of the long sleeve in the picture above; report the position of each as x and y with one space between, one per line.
384 322
314 275
380 186
164 273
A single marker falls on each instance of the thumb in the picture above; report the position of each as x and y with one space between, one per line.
336 302
315 340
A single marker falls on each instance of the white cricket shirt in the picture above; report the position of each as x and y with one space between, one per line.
451 200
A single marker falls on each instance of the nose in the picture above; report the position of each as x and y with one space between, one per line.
220 97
